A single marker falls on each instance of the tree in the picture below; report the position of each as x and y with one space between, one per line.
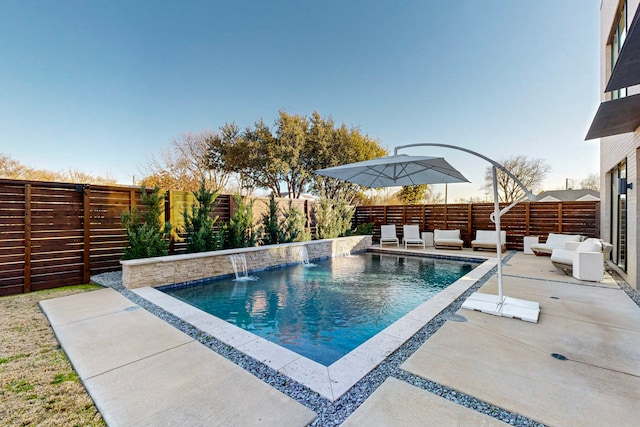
254 156
199 226
187 162
283 225
270 232
413 194
146 234
335 146
592 182
333 218
531 172
296 147
269 158
240 230
292 228
12 169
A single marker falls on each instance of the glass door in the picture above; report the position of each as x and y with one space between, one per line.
619 215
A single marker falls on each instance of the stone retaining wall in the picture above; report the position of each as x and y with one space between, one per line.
137 273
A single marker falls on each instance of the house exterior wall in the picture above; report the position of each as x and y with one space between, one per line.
615 149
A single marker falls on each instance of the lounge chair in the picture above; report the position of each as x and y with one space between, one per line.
411 236
388 235
554 241
447 239
585 260
486 239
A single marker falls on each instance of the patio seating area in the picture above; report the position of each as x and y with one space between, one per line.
579 365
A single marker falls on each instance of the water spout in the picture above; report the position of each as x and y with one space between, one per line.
239 262
305 257
345 253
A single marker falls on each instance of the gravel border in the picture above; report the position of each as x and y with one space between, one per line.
334 413
631 292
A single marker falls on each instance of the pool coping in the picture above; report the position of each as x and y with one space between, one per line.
330 382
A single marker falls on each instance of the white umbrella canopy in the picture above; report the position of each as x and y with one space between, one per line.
396 170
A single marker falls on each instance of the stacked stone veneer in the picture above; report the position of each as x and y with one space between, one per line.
171 269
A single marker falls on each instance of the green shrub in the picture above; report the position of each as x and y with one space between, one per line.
240 231
283 226
292 228
333 218
364 229
199 226
270 231
146 234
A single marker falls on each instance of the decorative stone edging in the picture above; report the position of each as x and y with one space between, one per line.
159 271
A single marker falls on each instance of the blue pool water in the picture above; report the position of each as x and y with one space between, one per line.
326 311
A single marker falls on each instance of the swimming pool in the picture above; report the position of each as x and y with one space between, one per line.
332 381
325 312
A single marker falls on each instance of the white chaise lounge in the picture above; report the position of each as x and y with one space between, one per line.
486 239
447 239
554 241
411 236
388 235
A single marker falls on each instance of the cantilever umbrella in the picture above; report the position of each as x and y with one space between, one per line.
399 169
396 170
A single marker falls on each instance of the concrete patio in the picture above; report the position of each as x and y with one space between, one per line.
141 371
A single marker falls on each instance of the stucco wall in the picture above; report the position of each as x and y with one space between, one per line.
167 270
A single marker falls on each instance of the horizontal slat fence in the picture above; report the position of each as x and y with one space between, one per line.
45 241
525 219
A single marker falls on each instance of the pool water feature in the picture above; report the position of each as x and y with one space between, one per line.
304 254
323 313
239 262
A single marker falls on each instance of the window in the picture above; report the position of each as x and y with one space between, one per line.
617 40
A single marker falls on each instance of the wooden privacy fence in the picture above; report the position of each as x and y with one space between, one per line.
58 234
525 219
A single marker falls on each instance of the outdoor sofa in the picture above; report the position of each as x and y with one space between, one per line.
554 241
449 239
486 239
584 260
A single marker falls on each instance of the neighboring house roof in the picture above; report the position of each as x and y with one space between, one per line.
303 196
588 198
568 196
548 199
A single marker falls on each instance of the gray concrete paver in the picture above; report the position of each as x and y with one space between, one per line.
396 403
139 370
508 363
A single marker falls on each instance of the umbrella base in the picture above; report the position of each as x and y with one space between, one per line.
510 307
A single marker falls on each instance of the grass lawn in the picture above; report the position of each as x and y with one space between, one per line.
38 386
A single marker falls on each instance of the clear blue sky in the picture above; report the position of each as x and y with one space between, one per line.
100 86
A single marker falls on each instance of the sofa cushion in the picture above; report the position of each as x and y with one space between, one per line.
590 245
555 240
489 236
446 234
449 241
562 256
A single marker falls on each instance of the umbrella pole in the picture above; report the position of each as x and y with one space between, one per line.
502 306
496 221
